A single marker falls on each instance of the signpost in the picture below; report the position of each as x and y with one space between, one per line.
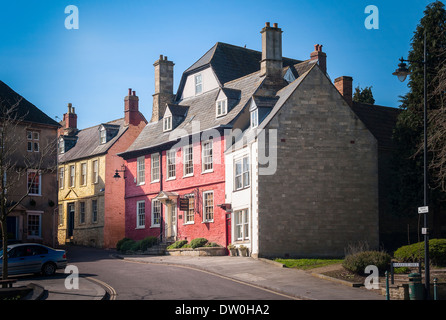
402 264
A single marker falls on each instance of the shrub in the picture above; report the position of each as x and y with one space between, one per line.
212 244
128 245
359 261
178 244
120 242
415 252
147 242
198 242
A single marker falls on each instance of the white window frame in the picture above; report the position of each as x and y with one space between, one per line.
141 170
39 181
198 81
167 123
188 161
72 173
95 171
188 217
241 224
221 107
206 206
103 136
254 118
140 214
242 178
39 232
83 174
155 203
33 141
61 177
61 145
155 176
171 164
206 154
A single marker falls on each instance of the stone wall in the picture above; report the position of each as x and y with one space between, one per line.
324 193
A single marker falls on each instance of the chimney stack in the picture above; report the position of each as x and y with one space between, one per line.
70 121
163 87
320 56
344 85
131 108
271 63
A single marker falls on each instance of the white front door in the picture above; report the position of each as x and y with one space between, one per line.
171 225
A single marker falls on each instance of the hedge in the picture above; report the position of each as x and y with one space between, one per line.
359 261
415 252
127 244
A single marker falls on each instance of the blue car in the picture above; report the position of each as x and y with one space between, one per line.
33 258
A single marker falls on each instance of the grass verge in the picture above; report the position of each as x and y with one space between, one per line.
306 264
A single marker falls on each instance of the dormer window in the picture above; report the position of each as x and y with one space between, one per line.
167 123
198 84
254 118
103 135
221 107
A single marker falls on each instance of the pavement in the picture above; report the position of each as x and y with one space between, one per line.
262 273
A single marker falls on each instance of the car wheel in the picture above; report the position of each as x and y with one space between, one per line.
48 269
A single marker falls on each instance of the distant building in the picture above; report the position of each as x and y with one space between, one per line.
91 201
32 140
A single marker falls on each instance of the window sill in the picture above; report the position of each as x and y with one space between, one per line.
170 179
155 181
155 226
208 221
141 227
241 189
34 194
207 171
188 175
188 223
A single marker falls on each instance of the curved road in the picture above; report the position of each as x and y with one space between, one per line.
141 281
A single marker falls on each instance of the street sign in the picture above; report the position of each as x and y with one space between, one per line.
184 204
405 264
423 209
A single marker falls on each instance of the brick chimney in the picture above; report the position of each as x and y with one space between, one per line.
70 121
163 87
271 63
344 85
131 108
320 56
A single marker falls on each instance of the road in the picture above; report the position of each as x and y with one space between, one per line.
141 281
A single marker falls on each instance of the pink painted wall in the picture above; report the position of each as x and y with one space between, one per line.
213 231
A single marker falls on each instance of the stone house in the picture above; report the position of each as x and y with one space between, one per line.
29 158
91 200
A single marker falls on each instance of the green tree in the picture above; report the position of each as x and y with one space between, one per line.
407 173
363 95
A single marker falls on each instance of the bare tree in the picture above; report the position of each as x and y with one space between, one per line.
19 169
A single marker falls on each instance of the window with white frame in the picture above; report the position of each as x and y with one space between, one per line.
188 162
198 84
241 224
95 171
61 215
33 138
221 108
254 118
94 211
155 167
72 175
34 225
34 182
83 174
208 206
170 159
167 123
141 214
140 170
242 173
189 216
61 145
103 136
156 213
61 177
206 156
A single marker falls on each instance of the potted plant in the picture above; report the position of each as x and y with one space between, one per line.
232 249
243 251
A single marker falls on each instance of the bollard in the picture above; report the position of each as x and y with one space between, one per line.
435 288
387 286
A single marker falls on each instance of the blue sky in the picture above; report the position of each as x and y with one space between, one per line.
118 41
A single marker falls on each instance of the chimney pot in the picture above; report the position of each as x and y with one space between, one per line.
134 93
275 25
266 24
130 91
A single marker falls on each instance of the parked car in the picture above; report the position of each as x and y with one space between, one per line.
33 258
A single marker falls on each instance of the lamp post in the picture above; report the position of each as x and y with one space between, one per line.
402 72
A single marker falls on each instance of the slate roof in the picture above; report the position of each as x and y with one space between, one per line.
25 109
88 143
379 120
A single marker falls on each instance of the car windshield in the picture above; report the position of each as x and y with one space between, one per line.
1 252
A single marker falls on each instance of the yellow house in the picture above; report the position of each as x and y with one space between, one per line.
91 201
